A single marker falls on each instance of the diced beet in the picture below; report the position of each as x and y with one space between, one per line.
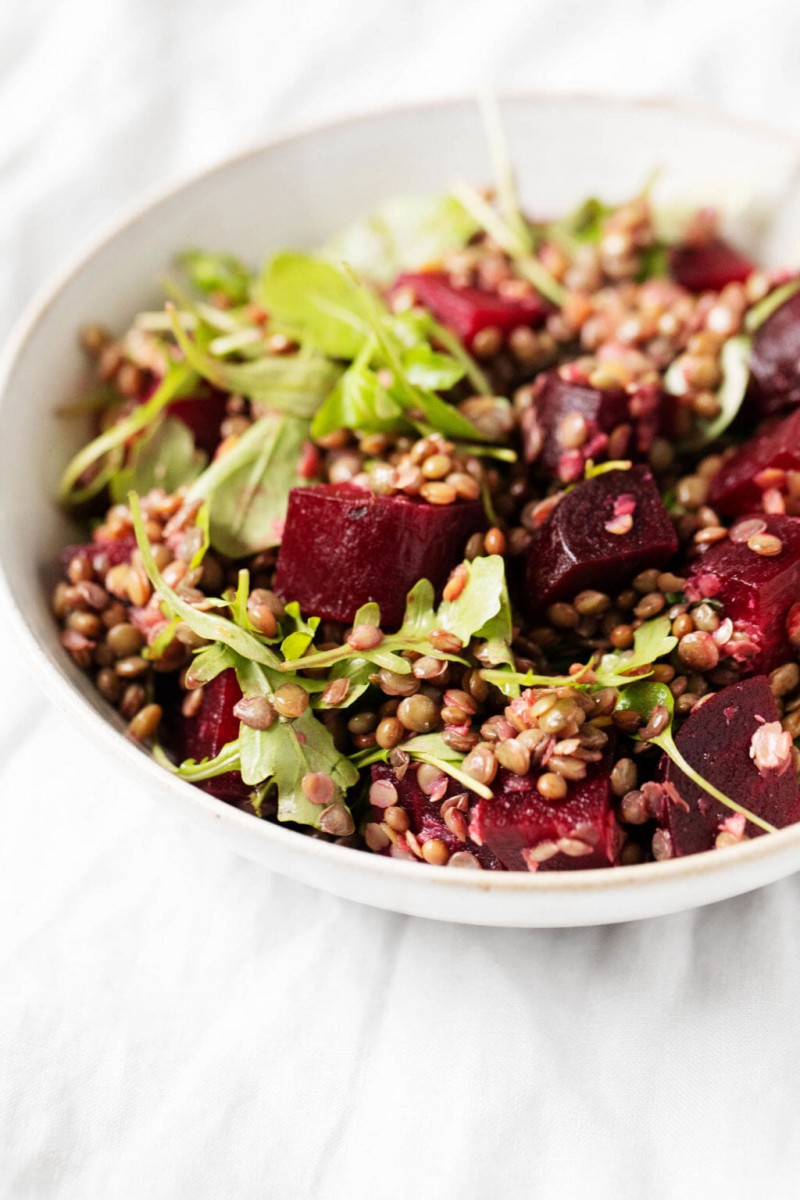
425 813
737 487
775 360
716 740
102 553
709 266
518 820
203 415
468 310
632 418
343 546
756 590
601 534
205 734
202 412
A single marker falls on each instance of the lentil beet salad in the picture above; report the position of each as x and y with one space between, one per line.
472 540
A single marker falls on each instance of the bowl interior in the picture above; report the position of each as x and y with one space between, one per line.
297 192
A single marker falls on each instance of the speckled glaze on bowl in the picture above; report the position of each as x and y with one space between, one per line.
297 191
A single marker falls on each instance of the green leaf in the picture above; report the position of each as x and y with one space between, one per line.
165 457
211 661
759 313
404 234
643 698
483 603
178 381
359 401
426 368
194 772
651 641
247 490
210 272
735 364
291 383
317 300
295 644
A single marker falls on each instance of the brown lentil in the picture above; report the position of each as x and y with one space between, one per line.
255 711
765 544
337 821
144 725
291 701
698 651
435 852
396 818
552 786
418 713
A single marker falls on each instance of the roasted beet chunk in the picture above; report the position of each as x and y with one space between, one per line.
775 360
758 467
756 589
526 831
441 811
203 415
709 266
717 740
600 535
343 546
205 734
468 310
569 423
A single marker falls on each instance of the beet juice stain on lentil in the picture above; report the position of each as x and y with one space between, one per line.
629 366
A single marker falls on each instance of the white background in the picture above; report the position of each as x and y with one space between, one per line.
177 1023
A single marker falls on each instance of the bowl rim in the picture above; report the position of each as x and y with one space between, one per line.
103 731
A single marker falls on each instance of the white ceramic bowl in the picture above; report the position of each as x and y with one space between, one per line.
297 191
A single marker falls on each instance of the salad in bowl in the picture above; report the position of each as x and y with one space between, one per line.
472 539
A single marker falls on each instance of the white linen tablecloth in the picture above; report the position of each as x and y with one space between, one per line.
178 1023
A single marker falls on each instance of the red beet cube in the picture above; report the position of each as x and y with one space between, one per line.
102 553
756 590
708 267
599 535
425 813
526 831
616 424
775 359
737 487
716 740
203 414
468 310
343 546
205 734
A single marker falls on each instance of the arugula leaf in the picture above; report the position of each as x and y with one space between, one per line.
428 748
178 381
482 610
404 234
211 661
644 698
193 771
359 401
210 272
247 490
164 457
651 641
426 368
295 644
317 300
292 383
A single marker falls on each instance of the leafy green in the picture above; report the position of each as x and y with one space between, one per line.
651 641
247 489
295 644
165 457
178 381
759 313
481 610
211 661
217 273
317 301
643 698
359 401
405 233
192 771
295 384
